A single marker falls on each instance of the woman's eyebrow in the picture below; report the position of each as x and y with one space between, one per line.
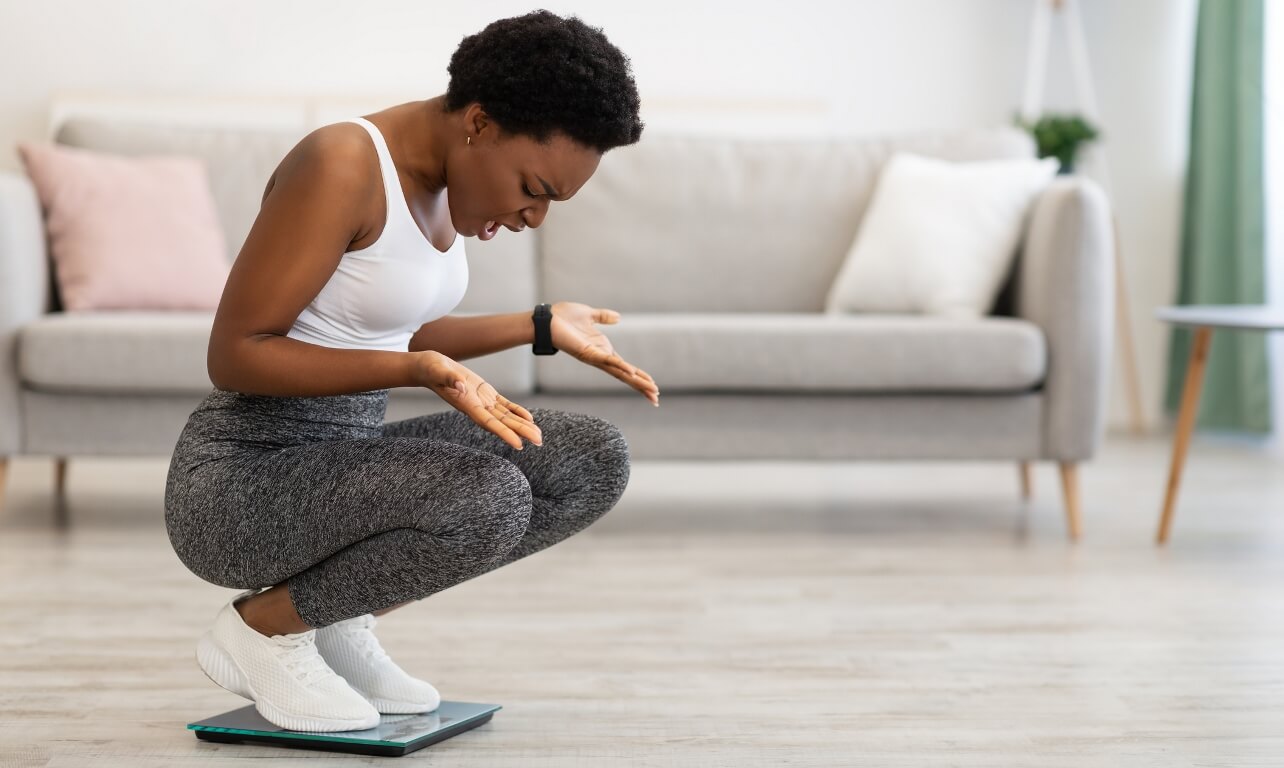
548 189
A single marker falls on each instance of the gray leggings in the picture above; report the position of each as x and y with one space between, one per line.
355 515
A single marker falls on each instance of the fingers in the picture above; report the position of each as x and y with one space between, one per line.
509 425
524 426
505 434
495 423
619 361
624 371
631 369
640 380
600 358
515 408
633 373
607 316
495 413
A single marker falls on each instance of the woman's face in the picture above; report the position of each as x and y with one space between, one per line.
505 179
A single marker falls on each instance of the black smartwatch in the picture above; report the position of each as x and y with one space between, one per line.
543 317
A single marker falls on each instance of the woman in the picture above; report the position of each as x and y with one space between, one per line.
286 477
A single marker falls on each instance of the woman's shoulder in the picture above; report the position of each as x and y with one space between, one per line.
341 150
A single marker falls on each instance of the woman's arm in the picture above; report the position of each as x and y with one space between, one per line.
268 364
310 214
460 338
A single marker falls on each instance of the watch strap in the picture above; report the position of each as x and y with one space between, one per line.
543 318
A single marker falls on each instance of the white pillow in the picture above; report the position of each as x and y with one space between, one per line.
939 236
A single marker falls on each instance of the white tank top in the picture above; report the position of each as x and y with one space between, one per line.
379 295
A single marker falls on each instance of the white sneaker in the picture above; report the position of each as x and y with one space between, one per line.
351 649
288 681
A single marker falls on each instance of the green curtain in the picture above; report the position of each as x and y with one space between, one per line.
1223 248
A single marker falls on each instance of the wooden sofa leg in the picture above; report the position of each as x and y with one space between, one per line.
1026 481
61 518
1070 489
60 476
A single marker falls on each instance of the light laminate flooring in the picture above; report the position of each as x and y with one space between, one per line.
726 614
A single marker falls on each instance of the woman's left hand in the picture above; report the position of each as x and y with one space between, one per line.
573 332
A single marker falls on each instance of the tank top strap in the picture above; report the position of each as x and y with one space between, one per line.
391 184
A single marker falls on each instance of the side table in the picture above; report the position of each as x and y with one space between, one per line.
1204 318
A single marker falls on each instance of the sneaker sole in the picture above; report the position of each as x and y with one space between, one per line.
223 671
389 707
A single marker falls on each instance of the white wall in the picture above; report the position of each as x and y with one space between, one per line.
861 66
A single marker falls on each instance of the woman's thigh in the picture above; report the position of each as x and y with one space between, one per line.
576 476
576 446
256 518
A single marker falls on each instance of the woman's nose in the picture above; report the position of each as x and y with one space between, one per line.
534 216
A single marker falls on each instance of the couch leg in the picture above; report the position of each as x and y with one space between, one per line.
1026 481
61 518
60 476
1070 489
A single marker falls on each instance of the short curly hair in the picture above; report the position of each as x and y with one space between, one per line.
541 74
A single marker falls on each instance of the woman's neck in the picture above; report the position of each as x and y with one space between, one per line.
422 130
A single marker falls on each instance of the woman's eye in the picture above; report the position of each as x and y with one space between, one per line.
527 190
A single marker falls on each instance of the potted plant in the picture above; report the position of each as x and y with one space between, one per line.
1060 136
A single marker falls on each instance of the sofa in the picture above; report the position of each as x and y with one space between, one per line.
717 251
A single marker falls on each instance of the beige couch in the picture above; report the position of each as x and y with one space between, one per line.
718 252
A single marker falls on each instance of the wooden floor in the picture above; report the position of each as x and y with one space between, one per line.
727 615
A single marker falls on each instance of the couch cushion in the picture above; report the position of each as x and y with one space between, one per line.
128 232
165 352
786 352
710 224
939 237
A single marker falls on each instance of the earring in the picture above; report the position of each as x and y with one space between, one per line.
470 140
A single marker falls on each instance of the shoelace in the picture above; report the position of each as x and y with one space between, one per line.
365 639
303 661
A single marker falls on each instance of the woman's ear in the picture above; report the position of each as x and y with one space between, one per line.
477 123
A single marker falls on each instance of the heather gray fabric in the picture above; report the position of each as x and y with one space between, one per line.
356 515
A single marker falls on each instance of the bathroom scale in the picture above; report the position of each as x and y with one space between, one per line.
394 736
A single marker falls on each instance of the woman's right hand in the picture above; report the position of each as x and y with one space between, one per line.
476 398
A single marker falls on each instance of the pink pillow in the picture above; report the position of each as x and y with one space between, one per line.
129 232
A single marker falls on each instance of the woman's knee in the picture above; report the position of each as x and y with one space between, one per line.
610 456
577 431
595 448
615 462
493 503
510 499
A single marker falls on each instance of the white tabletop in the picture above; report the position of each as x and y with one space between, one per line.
1262 317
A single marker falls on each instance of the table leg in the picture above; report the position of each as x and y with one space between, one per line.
1185 423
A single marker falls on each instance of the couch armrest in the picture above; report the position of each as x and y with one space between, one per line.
1065 285
24 292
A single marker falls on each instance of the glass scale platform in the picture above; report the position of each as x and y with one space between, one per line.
394 736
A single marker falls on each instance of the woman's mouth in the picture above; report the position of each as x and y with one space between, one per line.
488 231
